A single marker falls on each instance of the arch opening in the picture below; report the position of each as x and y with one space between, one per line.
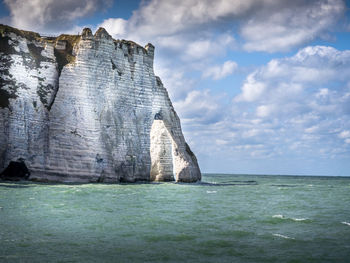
161 150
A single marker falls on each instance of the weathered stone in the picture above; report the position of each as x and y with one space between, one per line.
101 33
61 44
87 33
94 112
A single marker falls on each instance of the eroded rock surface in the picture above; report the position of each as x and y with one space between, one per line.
88 108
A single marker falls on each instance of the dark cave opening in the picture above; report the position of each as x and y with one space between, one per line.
15 171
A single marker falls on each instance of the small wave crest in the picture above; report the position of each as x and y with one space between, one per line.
211 192
346 223
278 216
300 219
293 219
227 183
282 236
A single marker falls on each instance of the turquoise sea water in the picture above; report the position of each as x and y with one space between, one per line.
228 218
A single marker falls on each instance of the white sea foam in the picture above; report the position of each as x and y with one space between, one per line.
282 236
346 223
294 219
300 219
211 192
278 216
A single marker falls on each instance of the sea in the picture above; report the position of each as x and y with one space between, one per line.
225 218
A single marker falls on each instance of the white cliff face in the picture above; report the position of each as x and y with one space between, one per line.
104 117
28 84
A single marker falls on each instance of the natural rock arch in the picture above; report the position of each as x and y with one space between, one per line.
161 150
84 114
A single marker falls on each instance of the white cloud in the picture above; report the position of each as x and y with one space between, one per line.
264 25
296 108
221 142
205 48
290 77
219 72
323 93
198 49
344 134
172 16
251 90
294 24
174 42
174 79
312 129
264 111
115 26
50 16
200 107
277 114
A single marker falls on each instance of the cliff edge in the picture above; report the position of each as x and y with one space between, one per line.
87 108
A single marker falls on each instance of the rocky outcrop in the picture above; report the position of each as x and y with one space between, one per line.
88 108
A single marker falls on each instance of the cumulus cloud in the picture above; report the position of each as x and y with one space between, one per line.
292 24
174 79
50 16
218 72
264 25
251 90
115 26
280 114
200 107
345 135
282 79
265 110
196 34
304 97
158 17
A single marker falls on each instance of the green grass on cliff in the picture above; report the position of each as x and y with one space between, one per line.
26 34
66 56
63 57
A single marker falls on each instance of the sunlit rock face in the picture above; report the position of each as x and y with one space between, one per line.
88 108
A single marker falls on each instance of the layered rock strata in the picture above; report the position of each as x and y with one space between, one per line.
88 108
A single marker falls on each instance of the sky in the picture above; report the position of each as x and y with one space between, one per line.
261 87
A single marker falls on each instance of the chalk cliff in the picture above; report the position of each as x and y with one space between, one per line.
87 108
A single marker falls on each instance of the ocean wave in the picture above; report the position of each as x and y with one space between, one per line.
346 223
211 192
282 236
227 183
300 219
278 216
291 218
